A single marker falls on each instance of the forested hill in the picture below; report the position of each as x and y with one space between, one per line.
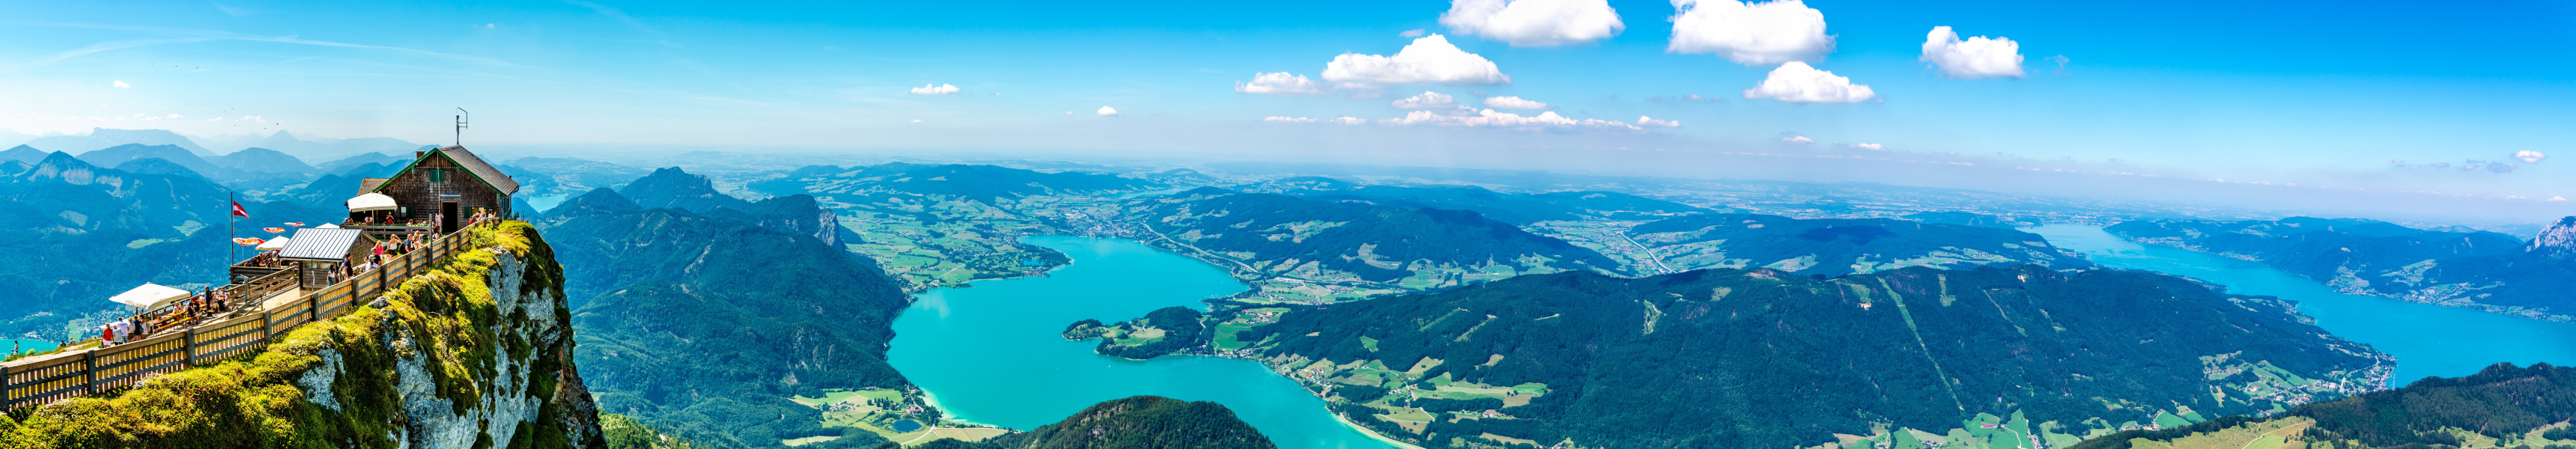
1337 240
2503 407
1141 422
1765 358
81 233
707 326
1514 208
2480 270
800 213
986 183
1833 247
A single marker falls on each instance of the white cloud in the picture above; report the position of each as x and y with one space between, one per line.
1755 34
1105 111
1652 122
2530 157
1280 83
1286 119
1513 103
2557 198
1534 23
1430 59
175 116
915 121
1349 121
1868 146
122 85
1798 140
1977 57
1795 82
1490 119
1427 100
254 118
938 89
1413 33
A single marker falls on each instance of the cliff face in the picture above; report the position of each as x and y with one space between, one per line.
475 353
2558 241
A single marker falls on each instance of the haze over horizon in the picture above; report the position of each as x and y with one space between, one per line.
2193 101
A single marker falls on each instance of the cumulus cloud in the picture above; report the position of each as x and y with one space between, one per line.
2557 198
1795 82
1429 60
1868 146
1287 119
1653 123
1413 33
1977 57
1280 83
175 116
1534 23
2530 157
122 85
1427 100
1750 34
1490 119
1798 140
1349 121
1513 103
1106 111
939 89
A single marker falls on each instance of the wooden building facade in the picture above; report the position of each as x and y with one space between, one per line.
440 189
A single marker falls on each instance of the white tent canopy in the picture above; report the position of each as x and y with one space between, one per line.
371 202
149 296
327 226
273 244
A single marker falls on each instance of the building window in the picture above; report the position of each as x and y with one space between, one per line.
437 175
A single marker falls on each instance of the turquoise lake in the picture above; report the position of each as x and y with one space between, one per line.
2428 340
991 354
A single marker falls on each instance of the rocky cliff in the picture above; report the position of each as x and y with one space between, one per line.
2558 241
475 353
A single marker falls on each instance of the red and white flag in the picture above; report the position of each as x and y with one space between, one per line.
237 210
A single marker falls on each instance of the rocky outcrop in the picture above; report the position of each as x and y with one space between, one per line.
2558 241
474 353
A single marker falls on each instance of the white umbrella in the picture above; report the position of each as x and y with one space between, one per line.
149 296
273 244
327 226
371 202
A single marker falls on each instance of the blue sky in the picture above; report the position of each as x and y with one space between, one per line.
2319 93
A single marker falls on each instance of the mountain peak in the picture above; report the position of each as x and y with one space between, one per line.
2559 240
673 187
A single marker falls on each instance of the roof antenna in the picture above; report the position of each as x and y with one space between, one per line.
461 115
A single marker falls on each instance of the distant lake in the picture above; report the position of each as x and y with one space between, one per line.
2428 340
25 345
991 353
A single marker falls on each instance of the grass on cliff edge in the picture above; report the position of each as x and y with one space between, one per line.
443 316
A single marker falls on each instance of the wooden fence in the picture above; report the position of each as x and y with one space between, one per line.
54 377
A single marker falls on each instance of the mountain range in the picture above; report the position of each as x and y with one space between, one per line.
2503 406
1514 208
2480 270
1767 358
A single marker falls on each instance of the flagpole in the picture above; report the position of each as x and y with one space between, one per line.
231 200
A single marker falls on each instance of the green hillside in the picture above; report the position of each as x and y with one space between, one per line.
1519 209
1141 422
1985 357
1833 247
1352 243
710 327
2503 406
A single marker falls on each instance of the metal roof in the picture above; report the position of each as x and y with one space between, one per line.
321 244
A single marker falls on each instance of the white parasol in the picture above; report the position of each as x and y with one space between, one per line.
371 202
149 296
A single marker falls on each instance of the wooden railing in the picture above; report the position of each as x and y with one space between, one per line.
54 377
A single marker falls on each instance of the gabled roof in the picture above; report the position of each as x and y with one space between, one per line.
474 165
368 185
321 244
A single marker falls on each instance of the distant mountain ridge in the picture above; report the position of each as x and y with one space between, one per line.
1834 247
1353 241
985 183
2479 270
2504 403
102 138
1518 209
